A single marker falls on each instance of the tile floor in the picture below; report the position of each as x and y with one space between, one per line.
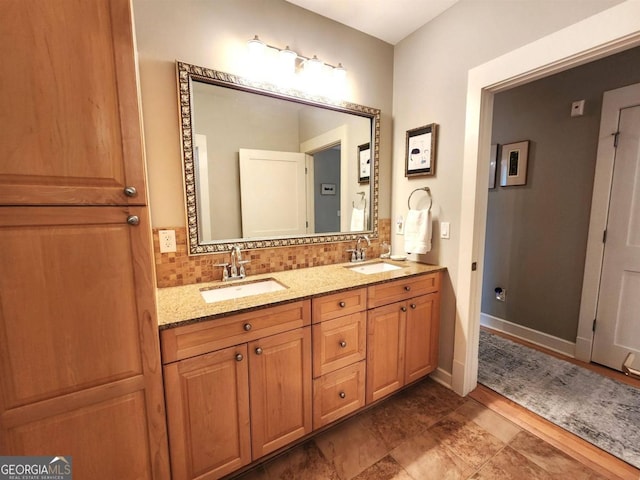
424 432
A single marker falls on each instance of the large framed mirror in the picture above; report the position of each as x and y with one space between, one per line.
269 167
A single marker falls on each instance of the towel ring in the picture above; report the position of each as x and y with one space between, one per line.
364 203
426 189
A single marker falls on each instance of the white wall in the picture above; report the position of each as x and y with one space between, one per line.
430 86
213 33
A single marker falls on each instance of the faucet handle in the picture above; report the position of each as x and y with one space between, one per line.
225 270
242 263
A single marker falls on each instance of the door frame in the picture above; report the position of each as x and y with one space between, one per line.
613 101
608 32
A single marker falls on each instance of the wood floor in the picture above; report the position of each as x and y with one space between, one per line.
574 446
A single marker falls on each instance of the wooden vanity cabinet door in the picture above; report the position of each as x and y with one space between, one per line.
208 414
280 384
71 131
422 336
385 350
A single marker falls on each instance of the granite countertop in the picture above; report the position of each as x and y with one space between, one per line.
185 304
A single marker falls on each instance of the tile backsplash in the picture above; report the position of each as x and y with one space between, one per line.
179 268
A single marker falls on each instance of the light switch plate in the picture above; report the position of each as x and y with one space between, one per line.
444 230
167 241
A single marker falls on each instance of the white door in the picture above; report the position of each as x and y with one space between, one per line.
272 193
618 315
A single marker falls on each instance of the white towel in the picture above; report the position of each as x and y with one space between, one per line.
357 220
417 231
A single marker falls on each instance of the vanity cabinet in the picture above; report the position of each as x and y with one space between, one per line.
237 388
402 333
339 350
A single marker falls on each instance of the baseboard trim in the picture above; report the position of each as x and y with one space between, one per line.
442 377
542 339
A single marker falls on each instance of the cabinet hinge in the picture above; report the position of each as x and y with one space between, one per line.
593 328
604 237
616 136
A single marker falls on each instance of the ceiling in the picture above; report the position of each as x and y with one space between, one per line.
388 20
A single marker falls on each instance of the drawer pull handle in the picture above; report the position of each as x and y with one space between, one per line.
404 309
133 220
258 351
343 344
413 305
407 288
342 304
247 327
239 357
342 395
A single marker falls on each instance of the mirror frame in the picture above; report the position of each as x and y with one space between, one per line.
186 74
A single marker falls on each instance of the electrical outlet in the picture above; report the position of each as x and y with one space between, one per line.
167 241
501 294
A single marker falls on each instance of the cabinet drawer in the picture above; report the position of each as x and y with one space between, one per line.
203 337
398 290
339 342
339 304
337 394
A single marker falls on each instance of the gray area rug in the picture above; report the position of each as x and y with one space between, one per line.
602 411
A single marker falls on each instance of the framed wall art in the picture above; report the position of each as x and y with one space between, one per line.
364 163
513 164
421 151
493 161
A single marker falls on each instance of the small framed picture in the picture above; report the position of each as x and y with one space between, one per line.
421 151
513 164
327 189
364 163
493 161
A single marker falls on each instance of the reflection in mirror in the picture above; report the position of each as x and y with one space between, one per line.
265 167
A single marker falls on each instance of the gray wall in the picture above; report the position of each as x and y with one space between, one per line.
326 169
537 233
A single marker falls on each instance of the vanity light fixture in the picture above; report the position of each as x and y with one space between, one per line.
282 64
256 46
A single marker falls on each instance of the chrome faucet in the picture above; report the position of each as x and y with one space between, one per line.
235 269
359 253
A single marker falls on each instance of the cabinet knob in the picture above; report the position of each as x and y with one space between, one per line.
247 327
239 357
133 220
342 304
343 344
342 395
413 305
258 351
403 308
130 191
407 288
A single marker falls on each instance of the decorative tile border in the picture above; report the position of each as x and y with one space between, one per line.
179 268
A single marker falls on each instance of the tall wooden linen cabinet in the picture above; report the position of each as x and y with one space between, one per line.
80 371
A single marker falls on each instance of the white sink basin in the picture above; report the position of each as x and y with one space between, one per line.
239 290
377 267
